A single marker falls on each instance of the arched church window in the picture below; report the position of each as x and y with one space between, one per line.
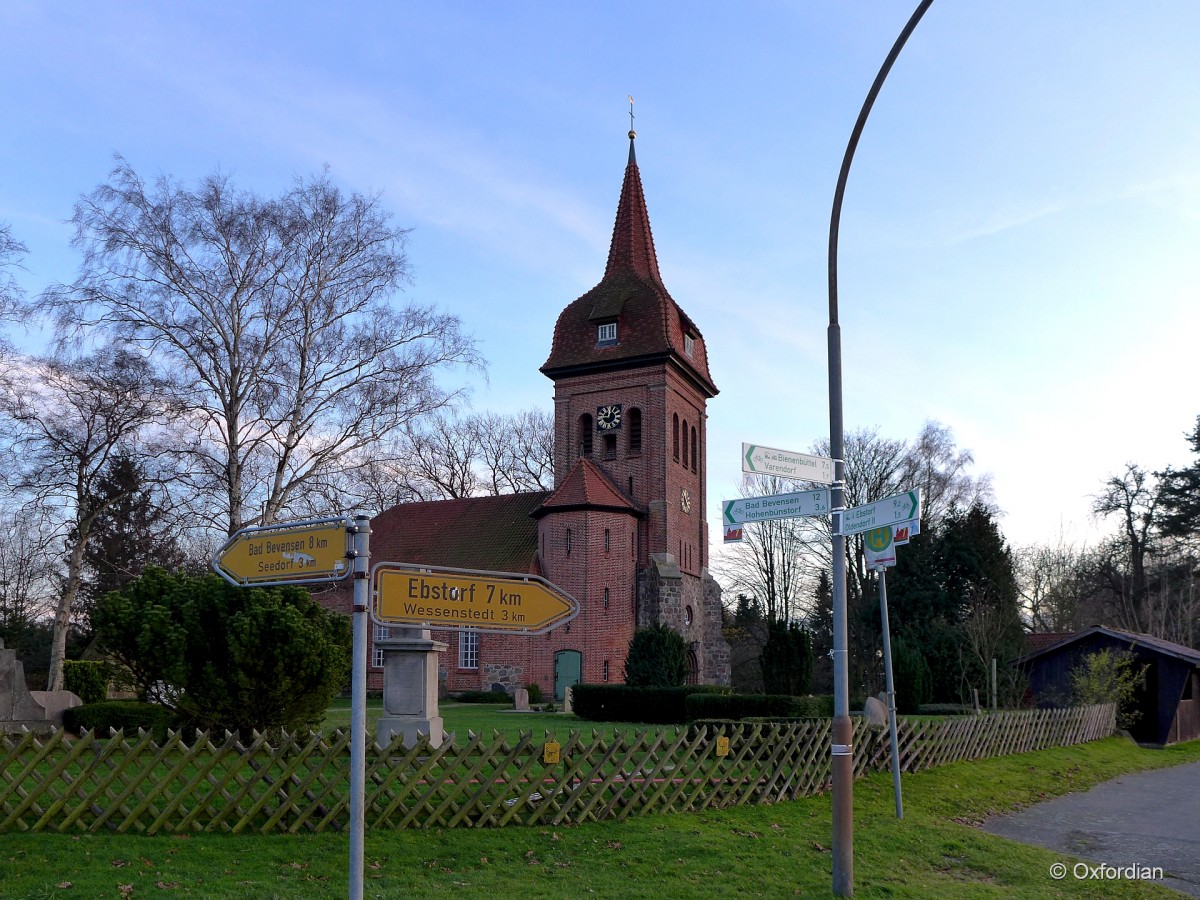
694 454
675 436
685 443
635 431
585 435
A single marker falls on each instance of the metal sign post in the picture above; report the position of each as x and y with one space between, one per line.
358 702
891 690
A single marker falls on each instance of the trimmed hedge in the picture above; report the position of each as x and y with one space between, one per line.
945 709
130 715
483 697
86 678
644 705
729 707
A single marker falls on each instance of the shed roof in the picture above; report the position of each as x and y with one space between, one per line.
1168 648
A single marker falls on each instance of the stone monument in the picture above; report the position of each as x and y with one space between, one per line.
410 688
19 708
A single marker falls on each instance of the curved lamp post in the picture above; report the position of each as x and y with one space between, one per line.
843 750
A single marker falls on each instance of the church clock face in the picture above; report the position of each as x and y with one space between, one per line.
608 418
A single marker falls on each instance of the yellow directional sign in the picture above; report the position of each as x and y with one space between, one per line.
294 553
461 598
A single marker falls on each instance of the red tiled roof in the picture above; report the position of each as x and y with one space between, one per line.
489 533
651 326
587 486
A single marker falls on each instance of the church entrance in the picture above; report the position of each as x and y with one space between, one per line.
567 667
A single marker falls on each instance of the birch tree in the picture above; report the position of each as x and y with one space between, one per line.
63 421
274 317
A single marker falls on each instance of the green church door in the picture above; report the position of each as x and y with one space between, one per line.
567 666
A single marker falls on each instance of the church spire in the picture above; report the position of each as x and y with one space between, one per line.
632 247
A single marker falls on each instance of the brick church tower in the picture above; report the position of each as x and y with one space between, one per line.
624 530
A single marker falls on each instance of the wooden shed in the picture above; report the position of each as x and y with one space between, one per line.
1170 696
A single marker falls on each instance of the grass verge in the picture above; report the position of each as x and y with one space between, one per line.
780 850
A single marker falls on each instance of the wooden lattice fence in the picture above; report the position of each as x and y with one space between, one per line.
300 782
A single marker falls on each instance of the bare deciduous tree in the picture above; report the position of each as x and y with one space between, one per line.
773 564
1130 497
11 252
517 451
63 420
26 567
447 456
274 317
1055 586
439 458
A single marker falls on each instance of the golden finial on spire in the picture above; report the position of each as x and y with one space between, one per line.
632 133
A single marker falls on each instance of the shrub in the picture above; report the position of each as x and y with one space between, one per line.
658 657
630 703
728 707
912 677
535 693
787 659
129 715
1110 676
225 656
88 679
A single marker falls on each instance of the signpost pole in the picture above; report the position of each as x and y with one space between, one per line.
891 691
358 703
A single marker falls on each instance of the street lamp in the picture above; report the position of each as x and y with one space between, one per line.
843 746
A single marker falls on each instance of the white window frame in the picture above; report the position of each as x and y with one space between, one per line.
689 344
606 333
468 649
382 633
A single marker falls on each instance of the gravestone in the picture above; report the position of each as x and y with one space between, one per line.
17 707
875 711
569 700
521 699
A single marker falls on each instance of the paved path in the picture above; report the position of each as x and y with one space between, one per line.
1145 819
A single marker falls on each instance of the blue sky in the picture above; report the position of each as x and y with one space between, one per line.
1018 245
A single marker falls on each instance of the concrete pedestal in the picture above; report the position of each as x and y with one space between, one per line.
410 688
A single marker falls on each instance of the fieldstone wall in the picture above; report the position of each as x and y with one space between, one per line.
507 676
691 606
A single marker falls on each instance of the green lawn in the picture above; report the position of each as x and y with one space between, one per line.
484 718
781 850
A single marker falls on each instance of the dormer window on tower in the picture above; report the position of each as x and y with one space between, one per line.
606 334
689 345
